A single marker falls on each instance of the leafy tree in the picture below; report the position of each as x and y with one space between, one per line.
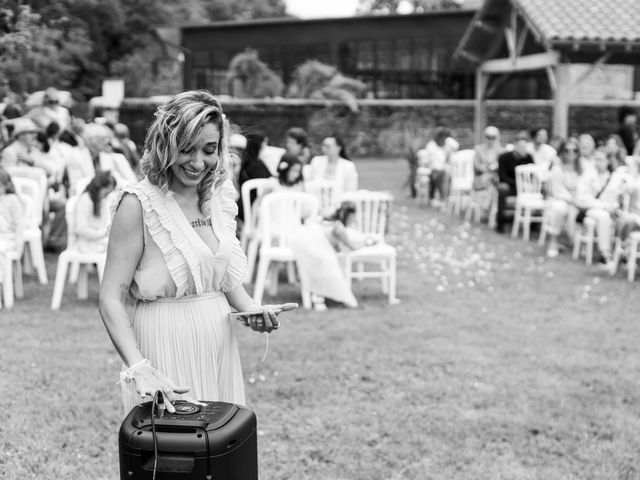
255 78
244 9
317 80
32 53
416 6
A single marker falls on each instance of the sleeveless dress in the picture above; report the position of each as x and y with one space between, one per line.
180 316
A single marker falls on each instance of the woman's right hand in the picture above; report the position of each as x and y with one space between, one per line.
149 380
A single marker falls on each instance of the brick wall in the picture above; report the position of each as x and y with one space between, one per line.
383 128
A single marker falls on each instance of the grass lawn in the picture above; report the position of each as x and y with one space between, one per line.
498 364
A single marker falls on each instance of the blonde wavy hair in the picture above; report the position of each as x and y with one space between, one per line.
176 128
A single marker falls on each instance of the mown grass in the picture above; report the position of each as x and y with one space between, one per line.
498 364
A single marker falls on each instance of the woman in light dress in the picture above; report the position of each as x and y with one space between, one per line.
172 247
335 166
12 218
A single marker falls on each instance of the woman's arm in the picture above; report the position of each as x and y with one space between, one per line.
123 255
266 321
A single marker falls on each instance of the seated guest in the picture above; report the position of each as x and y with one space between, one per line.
587 148
252 165
24 150
297 143
543 154
507 163
51 111
562 211
290 173
125 145
98 140
93 216
615 149
485 167
12 218
598 196
237 144
629 220
334 165
437 157
627 129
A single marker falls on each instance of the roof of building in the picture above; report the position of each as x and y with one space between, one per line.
583 30
592 21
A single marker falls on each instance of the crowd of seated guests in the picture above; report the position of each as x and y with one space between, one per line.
580 179
70 154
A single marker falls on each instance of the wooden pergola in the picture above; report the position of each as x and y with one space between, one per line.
509 36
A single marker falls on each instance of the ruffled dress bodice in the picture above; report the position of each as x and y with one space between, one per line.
176 262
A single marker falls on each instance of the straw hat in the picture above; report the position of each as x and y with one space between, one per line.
23 125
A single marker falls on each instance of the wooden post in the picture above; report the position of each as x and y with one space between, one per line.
561 100
480 116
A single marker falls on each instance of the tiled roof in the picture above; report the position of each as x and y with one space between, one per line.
598 21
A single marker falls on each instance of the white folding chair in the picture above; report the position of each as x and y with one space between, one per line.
372 210
325 192
40 177
461 181
71 256
29 188
529 201
281 213
11 266
250 235
585 236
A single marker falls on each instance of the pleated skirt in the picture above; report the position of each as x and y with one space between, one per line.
192 341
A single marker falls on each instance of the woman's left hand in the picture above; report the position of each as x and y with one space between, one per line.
267 320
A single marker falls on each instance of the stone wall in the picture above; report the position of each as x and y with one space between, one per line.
385 128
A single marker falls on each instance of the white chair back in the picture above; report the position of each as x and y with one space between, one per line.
372 210
281 213
38 176
325 192
257 185
70 217
462 170
28 188
528 182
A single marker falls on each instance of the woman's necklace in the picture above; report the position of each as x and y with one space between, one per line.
201 222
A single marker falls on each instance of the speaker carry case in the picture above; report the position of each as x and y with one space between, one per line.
214 441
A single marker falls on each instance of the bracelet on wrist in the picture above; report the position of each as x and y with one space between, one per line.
127 375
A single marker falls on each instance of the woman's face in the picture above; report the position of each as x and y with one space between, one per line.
330 147
292 146
601 162
294 173
570 155
541 137
611 145
587 145
191 166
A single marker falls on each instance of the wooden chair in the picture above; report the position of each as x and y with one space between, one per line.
372 210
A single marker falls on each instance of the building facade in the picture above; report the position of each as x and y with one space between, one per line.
398 56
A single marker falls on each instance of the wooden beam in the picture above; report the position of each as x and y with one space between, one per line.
561 103
535 61
510 39
480 113
521 39
595 65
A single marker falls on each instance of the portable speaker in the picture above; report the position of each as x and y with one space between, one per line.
214 441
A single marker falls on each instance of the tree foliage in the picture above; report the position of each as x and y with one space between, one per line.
378 7
317 80
75 44
252 77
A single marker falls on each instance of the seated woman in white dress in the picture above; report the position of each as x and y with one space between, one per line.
12 219
334 165
93 216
